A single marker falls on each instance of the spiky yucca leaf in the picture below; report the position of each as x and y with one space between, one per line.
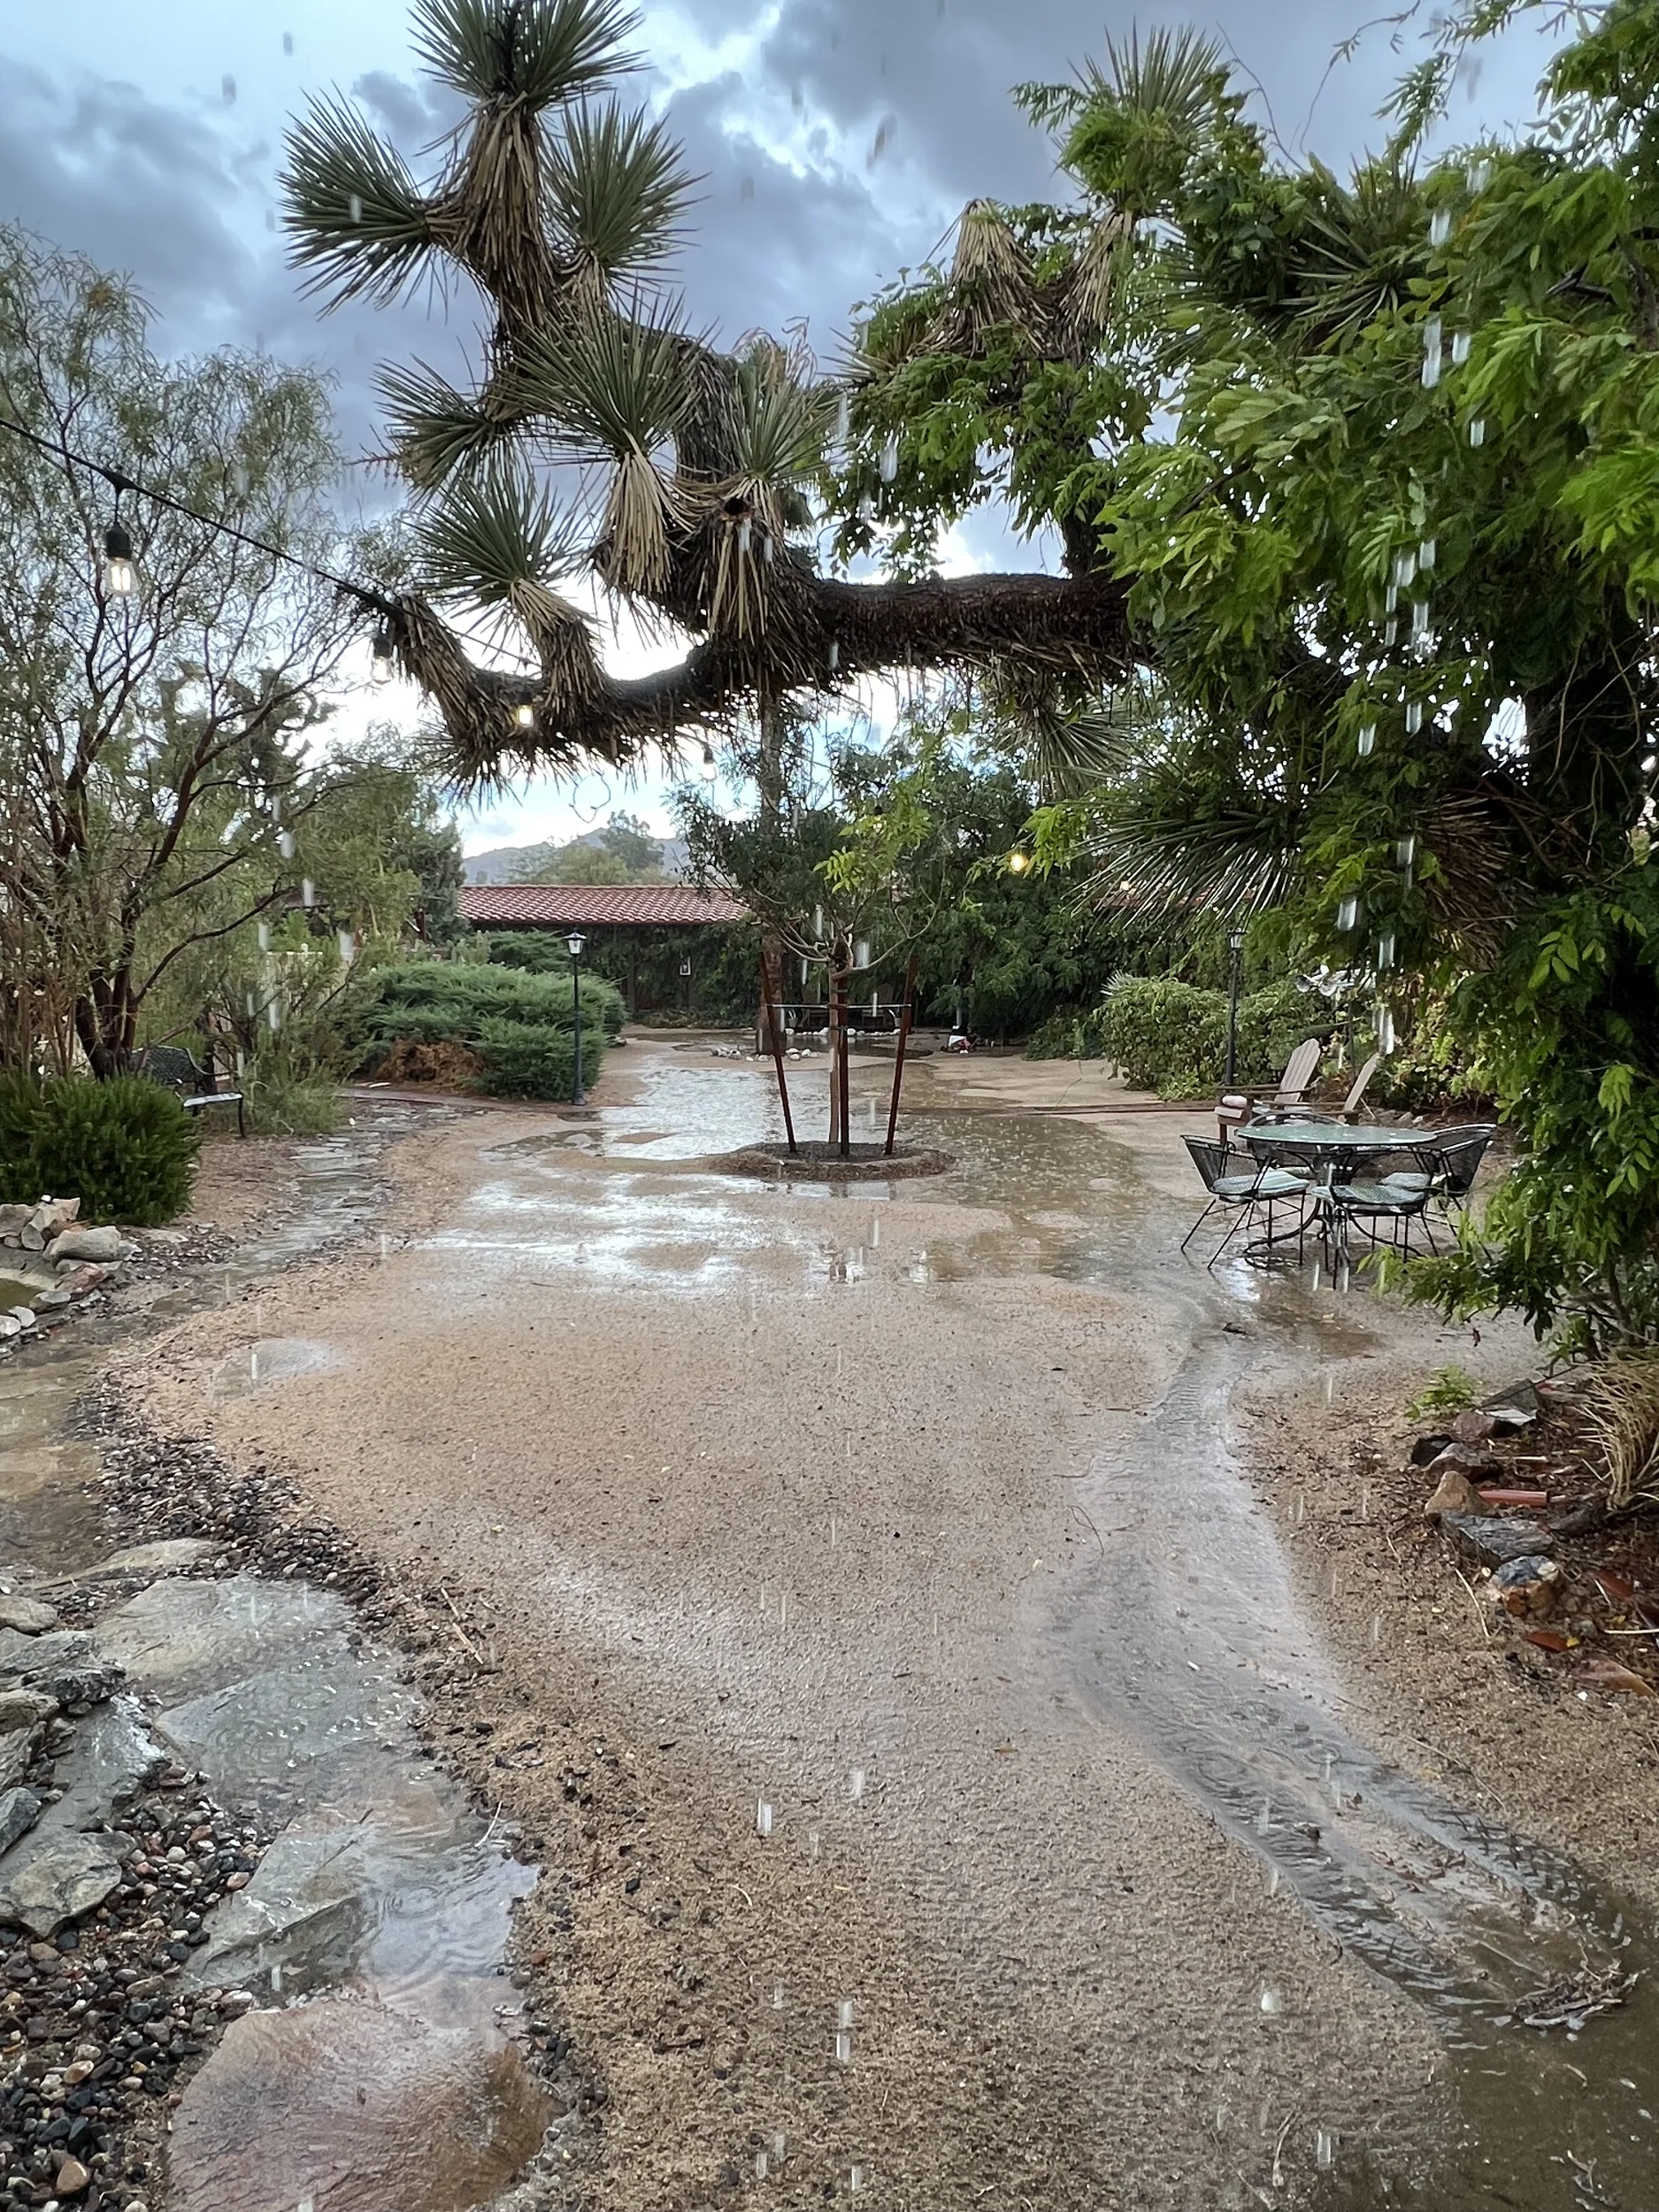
357 223
638 511
1365 246
779 428
1619 1401
491 535
619 188
1243 863
1085 312
435 428
533 53
1176 74
606 383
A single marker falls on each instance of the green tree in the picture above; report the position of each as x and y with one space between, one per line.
147 741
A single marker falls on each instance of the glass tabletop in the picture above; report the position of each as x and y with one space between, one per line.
1335 1136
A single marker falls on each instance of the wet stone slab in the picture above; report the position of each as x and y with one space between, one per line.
352 2107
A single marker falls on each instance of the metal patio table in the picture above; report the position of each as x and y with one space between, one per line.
1334 1147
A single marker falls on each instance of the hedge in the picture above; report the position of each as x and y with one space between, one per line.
125 1148
520 1025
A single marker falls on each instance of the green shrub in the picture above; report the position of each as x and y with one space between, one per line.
1067 1035
521 1024
282 1104
1168 1036
125 1148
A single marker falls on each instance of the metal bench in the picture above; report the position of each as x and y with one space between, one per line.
177 1071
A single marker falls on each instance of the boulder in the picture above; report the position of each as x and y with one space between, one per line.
19 1809
53 1214
16 1754
24 1315
63 1662
28 1616
25 1709
12 1221
55 1876
106 1245
1468 1459
1456 1494
108 1762
1494 1539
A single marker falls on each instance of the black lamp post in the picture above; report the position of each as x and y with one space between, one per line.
1235 945
576 943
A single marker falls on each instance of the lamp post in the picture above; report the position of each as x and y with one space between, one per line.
576 943
1235 945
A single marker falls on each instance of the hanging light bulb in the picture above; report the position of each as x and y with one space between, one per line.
1414 716
524 716
1459 348
1439 226
1365 742
710 770
120 575
380 660
1478 430
1428 553
1347 913
889 465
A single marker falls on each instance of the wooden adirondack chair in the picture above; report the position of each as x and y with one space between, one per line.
1348 1111
1301 1070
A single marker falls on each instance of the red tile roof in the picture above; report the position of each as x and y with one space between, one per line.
594 905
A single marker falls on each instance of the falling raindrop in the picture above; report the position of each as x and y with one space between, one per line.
1478 430
285 844
1430 371
779 2145
814 1844
308 892
1376 1630
264 936
1477 175
1414 716
843 418
856 1783
889 463
855 2177
354 207
1391 598
1419 618
1405 567
227 87
1348 913
1365 743
1385 1029
1405 851
1439 226
746 188
347 945
777 1999
843 2047
763 1818
1270 2000
1428 552
1264 1818
761 2164
1431 335
745 535
844 2013
1391 629
1271 1885
287 42
1459 348
1325 2150
834 656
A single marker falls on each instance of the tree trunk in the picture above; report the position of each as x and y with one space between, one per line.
106 1023
769 780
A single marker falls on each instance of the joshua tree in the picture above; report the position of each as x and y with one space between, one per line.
694 483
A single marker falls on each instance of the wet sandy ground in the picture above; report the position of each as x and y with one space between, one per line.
840 1518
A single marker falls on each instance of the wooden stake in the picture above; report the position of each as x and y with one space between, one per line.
769 1015
846 1122
898 1057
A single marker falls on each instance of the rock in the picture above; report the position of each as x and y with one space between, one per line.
71 2178
54 1877
166 1555
1527 1586
79 1277
19 1809
1468 1459
63 1662
16 1755
25 1709
1427 1449
28 1616
9 1326
24 1315
53 1301
91 1244
1514 1407
13 1219
1474 1427
110 1759
1494 1539
1456 1494
30 1237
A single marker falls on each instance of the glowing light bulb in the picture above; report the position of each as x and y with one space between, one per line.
524 716
1018 862
120 575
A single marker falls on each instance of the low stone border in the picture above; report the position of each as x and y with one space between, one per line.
821 1163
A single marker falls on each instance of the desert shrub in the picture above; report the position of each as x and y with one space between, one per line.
125 1148
281 1104
520 1024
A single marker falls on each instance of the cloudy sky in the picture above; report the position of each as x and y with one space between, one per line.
835 140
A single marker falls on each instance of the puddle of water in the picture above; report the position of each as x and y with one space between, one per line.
15 1291
272 1359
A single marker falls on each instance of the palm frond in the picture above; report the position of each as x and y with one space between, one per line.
491 535
1084 308
1176 75
618 187
1243 862
779 427
532 53
606 383
987 267
356 222
1365 248
435 428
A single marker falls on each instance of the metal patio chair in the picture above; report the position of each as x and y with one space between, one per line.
1261 1185
1371 1205
1447 1166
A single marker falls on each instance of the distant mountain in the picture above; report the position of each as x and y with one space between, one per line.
505 863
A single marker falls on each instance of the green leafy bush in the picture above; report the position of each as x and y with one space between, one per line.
281 1104
1171 1037
521 1024
125 1148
